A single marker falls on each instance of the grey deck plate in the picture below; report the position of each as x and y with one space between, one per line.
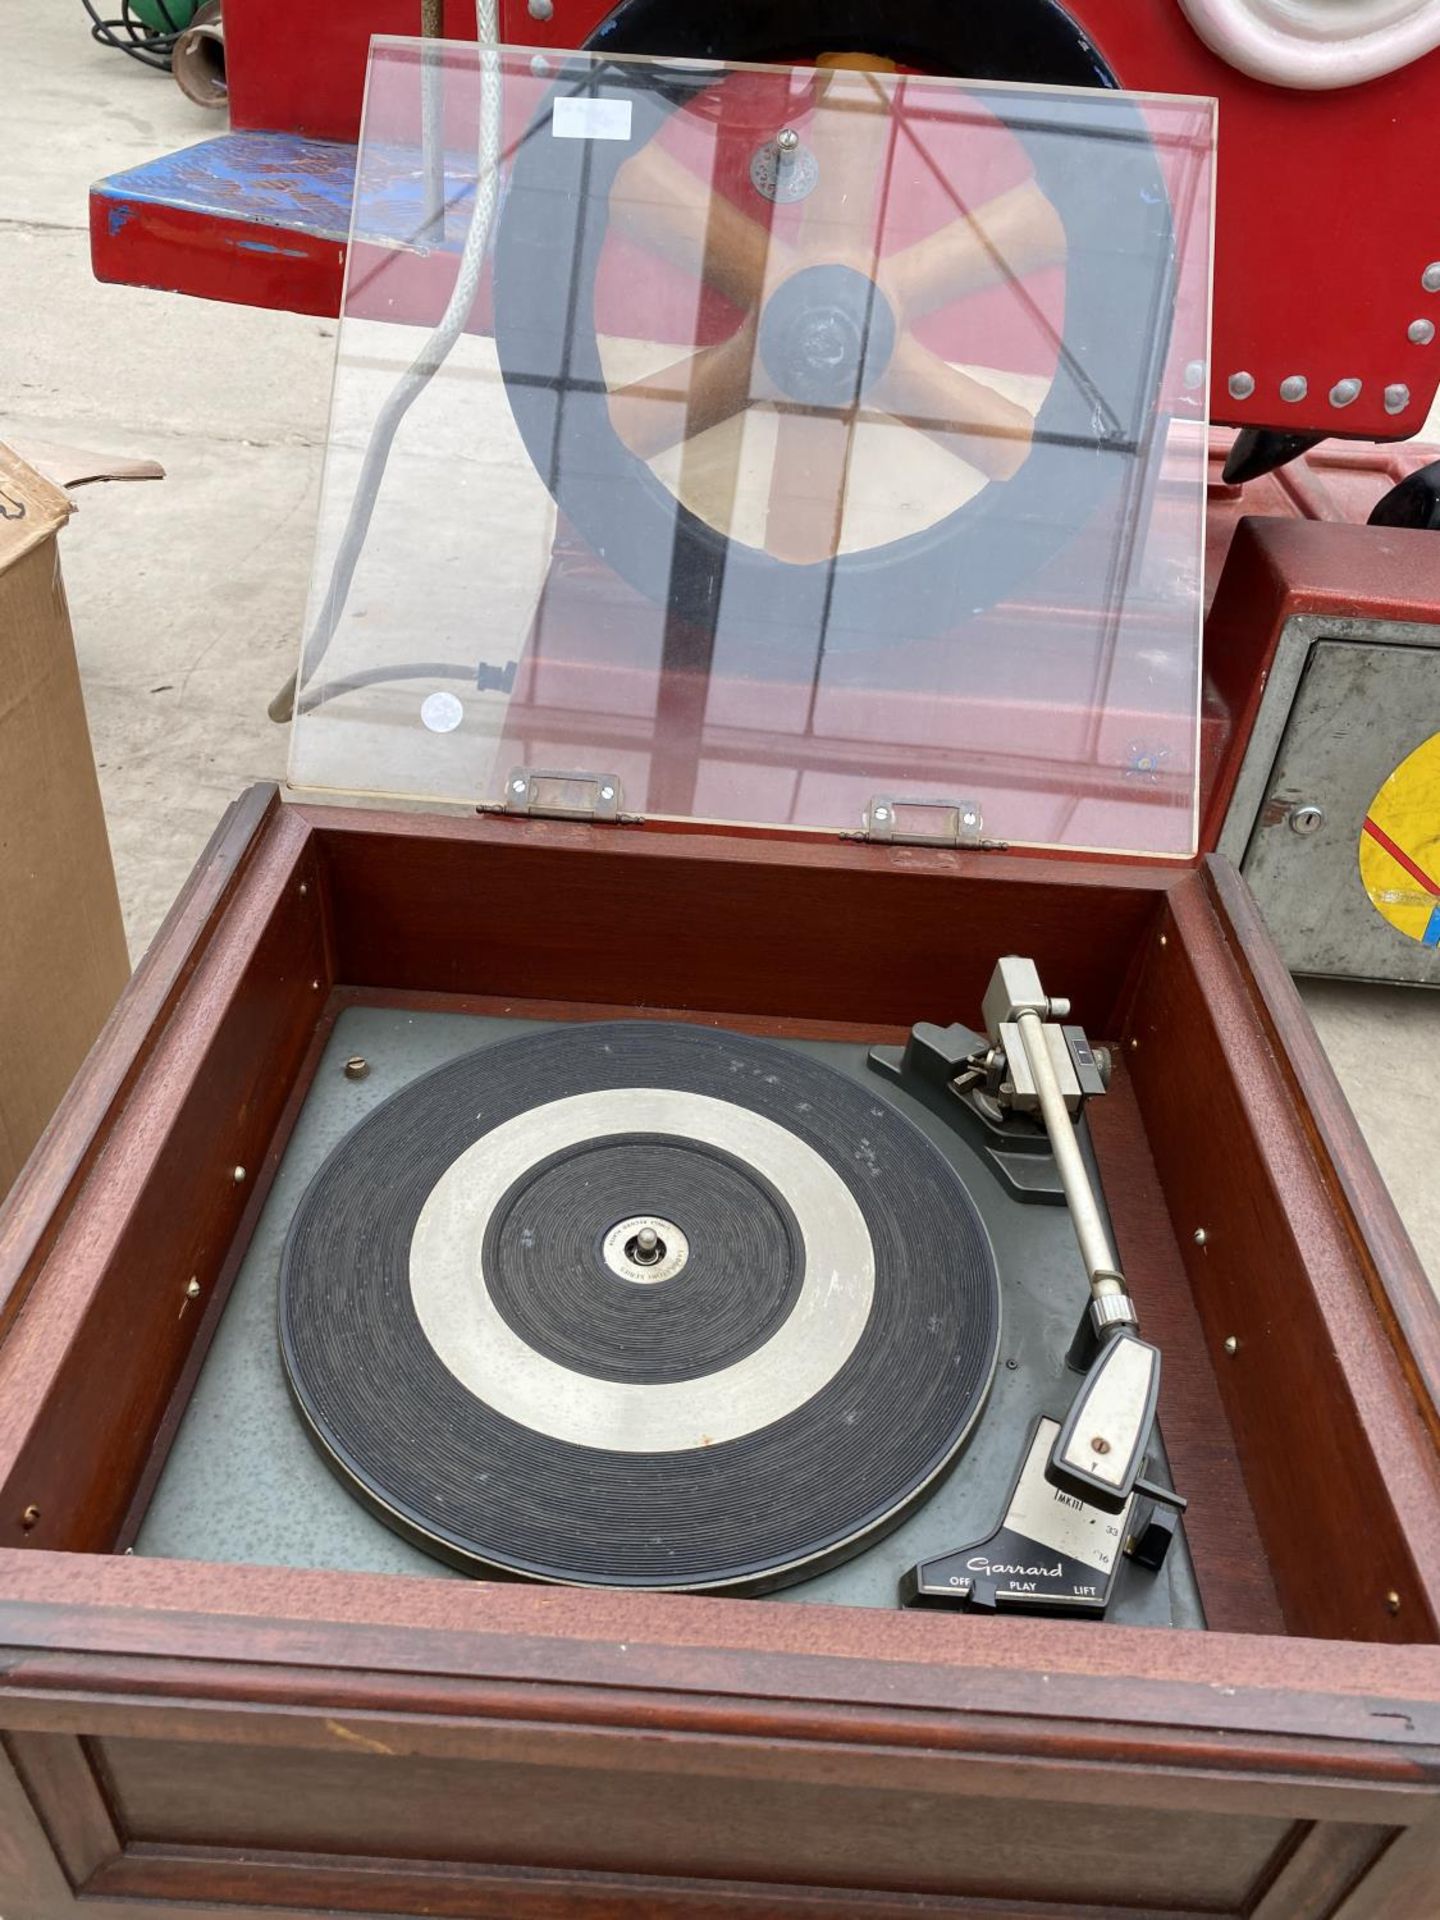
243 1483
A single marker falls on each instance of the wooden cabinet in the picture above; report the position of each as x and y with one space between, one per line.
193 1736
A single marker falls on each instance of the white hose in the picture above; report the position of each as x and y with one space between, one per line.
1316 44
422 369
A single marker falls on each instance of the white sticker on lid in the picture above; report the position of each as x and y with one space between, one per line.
441 712
578 118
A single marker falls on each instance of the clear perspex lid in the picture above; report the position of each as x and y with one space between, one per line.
775 445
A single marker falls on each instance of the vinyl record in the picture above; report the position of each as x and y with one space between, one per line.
638 1304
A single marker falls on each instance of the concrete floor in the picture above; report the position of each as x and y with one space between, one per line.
187 595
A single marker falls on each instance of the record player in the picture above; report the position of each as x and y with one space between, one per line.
664 1322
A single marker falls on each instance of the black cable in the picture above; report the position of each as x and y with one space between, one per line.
131 35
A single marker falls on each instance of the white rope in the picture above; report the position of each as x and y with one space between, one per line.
422 369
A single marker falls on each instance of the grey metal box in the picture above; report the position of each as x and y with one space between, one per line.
1340 748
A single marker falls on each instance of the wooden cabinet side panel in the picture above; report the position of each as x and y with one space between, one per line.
88 1371
33 1883
819 930
63 1787
32 1212
652 1820
1342 1473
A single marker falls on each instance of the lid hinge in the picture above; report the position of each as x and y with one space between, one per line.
923 823
552 793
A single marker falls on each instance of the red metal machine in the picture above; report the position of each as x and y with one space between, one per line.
1323 257
1326 312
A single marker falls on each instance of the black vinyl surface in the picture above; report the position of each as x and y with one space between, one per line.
1096 431
544 1265
486 1492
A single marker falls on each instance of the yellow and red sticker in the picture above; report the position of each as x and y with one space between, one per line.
1400 846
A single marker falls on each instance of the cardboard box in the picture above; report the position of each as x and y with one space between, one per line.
63 958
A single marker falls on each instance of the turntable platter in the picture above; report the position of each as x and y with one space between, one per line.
639 1304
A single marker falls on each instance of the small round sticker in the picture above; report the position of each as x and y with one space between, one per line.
441 712
1400 846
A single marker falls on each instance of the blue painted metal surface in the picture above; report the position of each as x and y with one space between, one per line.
282 180
264 218
266 179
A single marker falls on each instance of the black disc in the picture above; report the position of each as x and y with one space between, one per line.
1093 428
638 1304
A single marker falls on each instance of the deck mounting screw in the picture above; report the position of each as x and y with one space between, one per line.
192 1288
29 1517
304 888
1201 1236
356 1067
238 1176
1232 1345
1392 1601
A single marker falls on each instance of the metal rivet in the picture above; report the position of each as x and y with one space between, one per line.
304 889
1012 1365
1397 398
1241 385
539 65
1195 373
1421 332
1201 1236
192 1288
540 9
1232 1345
314 986
1343 392
1294 387
787 140
238 1176
29 1517
356 1067
1307 818
1392 1601
1164 940
1430 278
1134 1046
